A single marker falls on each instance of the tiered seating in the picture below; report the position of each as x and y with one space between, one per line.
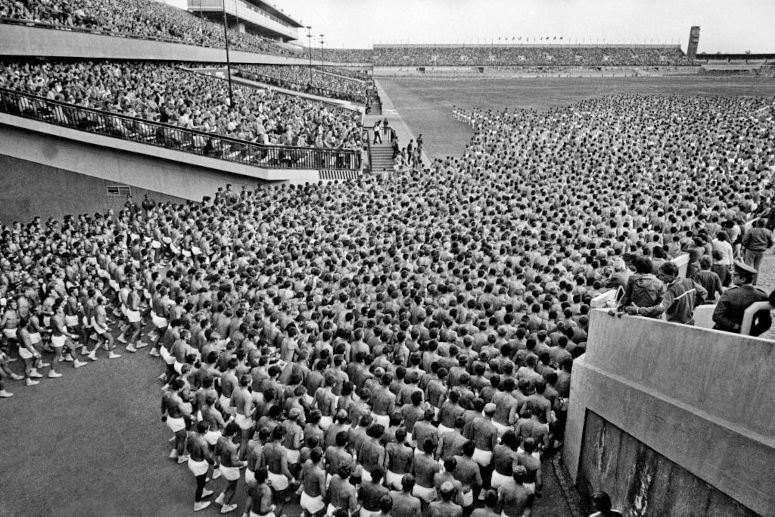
146 19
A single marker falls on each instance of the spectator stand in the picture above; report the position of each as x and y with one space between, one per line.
240 79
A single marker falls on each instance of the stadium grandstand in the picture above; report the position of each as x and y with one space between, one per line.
283 299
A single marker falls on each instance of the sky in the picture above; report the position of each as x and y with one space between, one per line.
726 25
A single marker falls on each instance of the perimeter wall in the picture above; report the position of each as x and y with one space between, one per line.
673 420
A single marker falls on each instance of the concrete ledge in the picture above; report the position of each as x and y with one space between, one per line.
151 150
700 398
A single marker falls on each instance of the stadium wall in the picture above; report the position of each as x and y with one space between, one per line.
19 40
699 399
32 189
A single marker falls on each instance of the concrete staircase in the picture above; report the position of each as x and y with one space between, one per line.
381 157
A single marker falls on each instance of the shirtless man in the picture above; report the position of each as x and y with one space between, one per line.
485 437
133 314
446 507
229 383
424 469
404 503
371 492
259 497
313 481
59 338
490 503
10 321
293 439
399 460
99 322
28 353
371 456
199 461
229 465
242 398
175 413
506 407
469 474
342 493
383 401
325 401
256 454
451 442
275 457
514 498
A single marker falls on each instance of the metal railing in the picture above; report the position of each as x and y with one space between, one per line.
175 138
301 87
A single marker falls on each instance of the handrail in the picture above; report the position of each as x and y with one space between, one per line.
303 88
172 137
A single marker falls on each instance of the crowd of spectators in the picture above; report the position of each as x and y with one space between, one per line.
434 315
309 80
148 19
528 55
168 94
512 55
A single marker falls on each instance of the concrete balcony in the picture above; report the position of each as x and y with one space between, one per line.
241 14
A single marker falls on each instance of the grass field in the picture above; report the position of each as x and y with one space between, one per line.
426 104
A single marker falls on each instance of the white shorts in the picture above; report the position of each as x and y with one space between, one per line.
158 322
393 480
211 437
24 353
35 338
226 403
312 504
483 458
99 329
250 476
365 475
198 468
279 481
133 316
71 321
165 354
230 473
467 498
176 424
58 341
326 422
383 420
498 480
293 456
426 494
243 422
501 428
10 333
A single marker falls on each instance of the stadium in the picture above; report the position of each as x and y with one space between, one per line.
293 259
